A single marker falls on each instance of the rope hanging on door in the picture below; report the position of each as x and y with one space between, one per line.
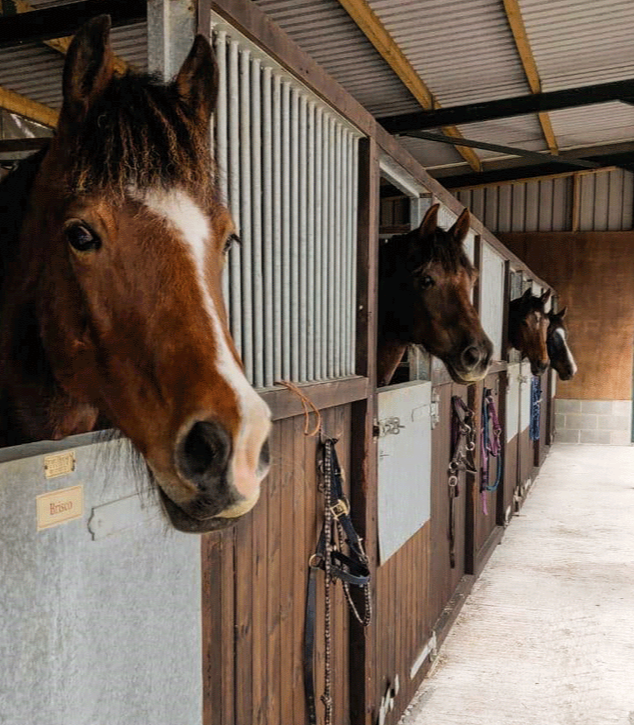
463 444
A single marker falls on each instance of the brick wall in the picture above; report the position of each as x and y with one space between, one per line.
594 421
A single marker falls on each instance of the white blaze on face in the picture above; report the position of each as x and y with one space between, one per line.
561 333
187 218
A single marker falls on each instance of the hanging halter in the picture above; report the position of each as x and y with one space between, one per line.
351 569
491 446
463 443
536 407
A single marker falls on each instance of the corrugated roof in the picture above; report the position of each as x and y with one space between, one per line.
324 30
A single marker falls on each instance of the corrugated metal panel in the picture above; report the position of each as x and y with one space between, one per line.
465 52
43 81
606 200
579 42
324 30
602 123
289 166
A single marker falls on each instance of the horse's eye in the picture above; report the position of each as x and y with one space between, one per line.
231 240
427 282
82 238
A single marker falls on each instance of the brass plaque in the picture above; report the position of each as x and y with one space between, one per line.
57 507
59 464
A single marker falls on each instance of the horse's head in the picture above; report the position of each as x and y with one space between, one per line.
528 326
129 236
559 351
426 281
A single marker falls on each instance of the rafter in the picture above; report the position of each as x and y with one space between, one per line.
374 30
16 103
514 16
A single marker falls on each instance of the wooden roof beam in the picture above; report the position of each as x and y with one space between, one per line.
374 30
23 106
514 16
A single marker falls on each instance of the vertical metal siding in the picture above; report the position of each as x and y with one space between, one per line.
606 200
288 165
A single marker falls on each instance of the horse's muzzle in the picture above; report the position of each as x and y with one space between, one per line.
204 459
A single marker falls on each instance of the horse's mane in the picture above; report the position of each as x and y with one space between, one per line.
15 191
140 133
439 247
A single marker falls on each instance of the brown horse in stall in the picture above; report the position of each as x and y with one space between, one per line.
111 256
528 327
559 352
425 283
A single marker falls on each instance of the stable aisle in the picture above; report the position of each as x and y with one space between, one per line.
547 635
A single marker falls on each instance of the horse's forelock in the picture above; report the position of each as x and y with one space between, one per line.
139 133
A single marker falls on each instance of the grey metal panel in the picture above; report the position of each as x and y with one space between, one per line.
96 631
326 32
606 200
43 81
292 190
577 42
404 485
465 52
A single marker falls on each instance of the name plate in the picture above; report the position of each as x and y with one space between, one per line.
59 464
58 507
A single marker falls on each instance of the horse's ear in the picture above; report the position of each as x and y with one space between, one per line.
430 222
527 295
545 297
197 80
460 229
562 313
89 66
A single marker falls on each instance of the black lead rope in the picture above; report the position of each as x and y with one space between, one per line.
352 569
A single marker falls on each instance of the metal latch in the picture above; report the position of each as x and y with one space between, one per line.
388 426
434 412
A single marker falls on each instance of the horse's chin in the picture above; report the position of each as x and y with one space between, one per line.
464 378
182 521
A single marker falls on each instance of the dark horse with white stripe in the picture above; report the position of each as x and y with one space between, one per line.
559 352
425 284
111 254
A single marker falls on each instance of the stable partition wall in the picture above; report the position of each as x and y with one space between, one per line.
100 600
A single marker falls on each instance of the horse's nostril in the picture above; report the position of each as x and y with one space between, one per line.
205 450
265 457
471 356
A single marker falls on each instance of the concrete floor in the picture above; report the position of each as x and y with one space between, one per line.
547 635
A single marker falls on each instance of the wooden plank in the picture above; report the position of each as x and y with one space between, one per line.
374 30
514 16
274 696
243 682
286 404
291 577
15 103
363 472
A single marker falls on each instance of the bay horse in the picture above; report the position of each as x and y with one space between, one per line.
425 283
559 352
528 327
112 246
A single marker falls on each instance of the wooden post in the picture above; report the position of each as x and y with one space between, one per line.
364 449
